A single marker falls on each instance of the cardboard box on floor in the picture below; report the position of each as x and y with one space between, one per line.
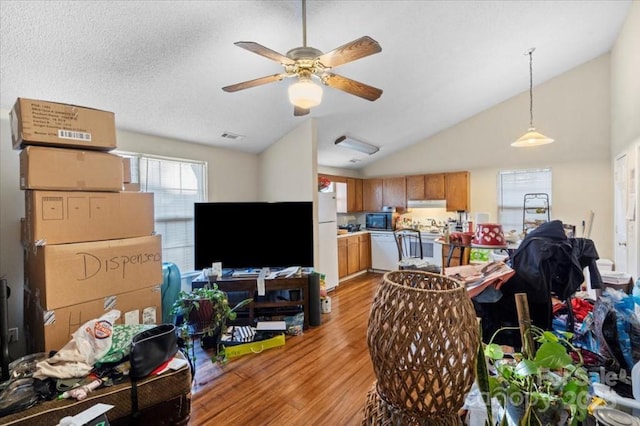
61 217
67 274
50 330
37 122
67 169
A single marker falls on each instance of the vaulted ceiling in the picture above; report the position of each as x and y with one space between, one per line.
160 65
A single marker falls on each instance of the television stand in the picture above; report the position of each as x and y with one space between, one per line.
296 285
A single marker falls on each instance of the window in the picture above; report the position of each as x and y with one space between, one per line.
512 186
177 184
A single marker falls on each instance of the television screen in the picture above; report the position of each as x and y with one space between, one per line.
253 234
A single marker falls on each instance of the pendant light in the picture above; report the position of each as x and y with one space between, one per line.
532 137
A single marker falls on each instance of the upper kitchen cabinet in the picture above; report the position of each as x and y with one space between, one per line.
426 187
388 191
348 194
394 192
354 195
372 195
456 188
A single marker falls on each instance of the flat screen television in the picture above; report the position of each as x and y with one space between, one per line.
253 234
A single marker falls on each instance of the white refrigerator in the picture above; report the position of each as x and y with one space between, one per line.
327 238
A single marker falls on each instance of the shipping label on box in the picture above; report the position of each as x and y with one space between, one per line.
37 122
61 217
50 330
69 169
67 274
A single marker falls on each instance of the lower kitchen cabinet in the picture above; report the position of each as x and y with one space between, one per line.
354 254
365 251
343 270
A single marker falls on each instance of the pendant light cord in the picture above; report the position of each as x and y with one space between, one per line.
530 53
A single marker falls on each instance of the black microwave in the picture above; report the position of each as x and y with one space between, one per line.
381 221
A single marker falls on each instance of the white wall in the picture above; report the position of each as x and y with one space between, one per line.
572 108
625 83
233 175
288 167
11 210
625 118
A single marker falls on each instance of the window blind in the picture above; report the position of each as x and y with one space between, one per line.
177 185
512 186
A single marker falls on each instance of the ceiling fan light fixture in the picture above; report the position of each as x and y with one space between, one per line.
305 94
532 137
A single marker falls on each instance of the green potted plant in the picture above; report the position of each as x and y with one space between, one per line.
204 312
539 386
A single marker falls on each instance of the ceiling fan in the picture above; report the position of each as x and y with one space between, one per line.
307 63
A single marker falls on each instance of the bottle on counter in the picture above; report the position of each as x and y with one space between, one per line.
445 235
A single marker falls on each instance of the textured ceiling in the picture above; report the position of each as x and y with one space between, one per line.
160 65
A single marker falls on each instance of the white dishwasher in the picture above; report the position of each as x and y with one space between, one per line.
384 252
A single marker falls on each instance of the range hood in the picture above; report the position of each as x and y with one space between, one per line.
424 204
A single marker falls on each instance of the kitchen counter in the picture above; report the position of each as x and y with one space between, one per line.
348 234
431 235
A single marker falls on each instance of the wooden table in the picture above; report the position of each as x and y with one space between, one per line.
250 286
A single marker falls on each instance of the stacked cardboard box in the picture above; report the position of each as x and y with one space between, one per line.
89 245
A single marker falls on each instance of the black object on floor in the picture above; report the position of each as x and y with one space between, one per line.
314 300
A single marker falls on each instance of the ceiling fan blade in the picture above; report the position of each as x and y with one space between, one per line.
253 83
297 111
351 86
356 49
264 51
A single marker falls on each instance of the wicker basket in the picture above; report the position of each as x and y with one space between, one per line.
422 338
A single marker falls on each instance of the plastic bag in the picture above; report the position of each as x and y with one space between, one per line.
295 324
88 344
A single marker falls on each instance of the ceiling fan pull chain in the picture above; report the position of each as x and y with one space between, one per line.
304 23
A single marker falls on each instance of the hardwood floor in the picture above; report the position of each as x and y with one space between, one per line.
319 377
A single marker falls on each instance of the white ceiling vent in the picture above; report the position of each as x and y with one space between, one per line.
233 136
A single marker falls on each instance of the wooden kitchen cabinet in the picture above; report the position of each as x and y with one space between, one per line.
354 195
372 195
353 254
364 241
394 192
343 269
426 187
434 186
457 194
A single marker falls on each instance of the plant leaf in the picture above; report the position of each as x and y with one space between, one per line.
494 351
552 355
526 367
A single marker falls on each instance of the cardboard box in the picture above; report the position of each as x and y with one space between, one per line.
49 330
254 347
36 122
62 217
126 170
67 274
131 187
69 170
